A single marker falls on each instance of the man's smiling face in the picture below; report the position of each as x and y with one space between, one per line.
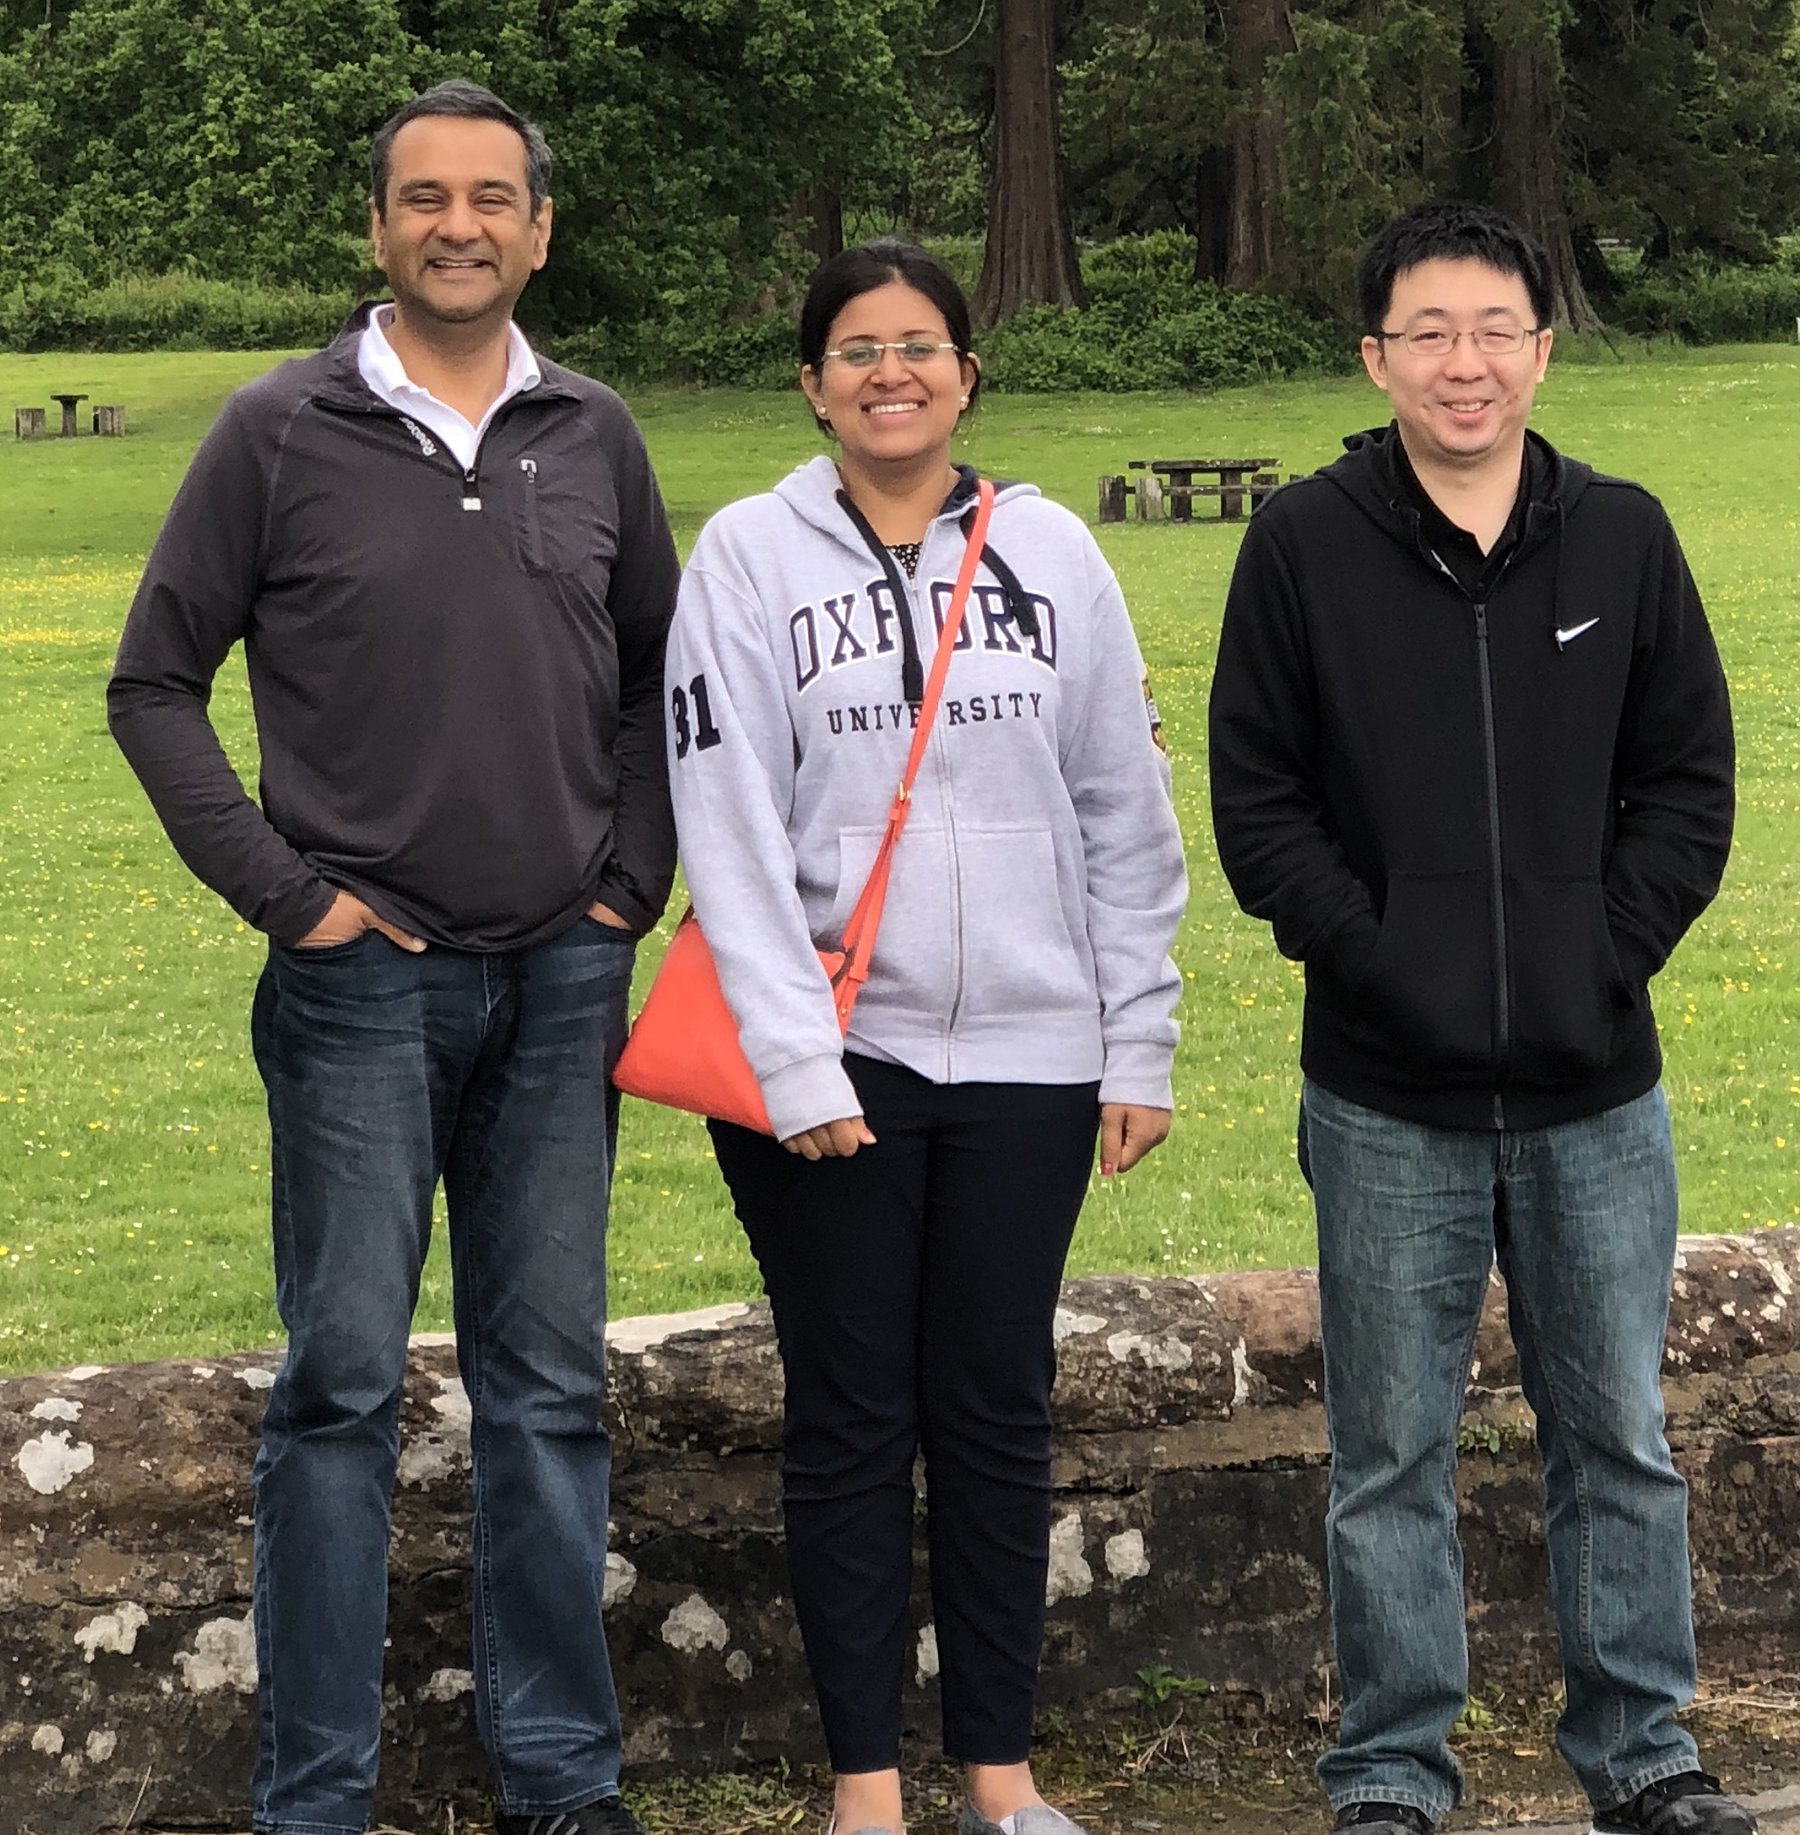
1462 408
457 239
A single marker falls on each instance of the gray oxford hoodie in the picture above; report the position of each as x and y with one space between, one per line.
1039 882
456 677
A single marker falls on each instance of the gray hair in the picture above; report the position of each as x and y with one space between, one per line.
464 101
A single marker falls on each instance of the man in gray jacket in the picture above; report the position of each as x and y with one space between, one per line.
451 573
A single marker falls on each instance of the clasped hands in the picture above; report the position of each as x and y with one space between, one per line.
1128 1131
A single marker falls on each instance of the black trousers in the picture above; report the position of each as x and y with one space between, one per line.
914 1287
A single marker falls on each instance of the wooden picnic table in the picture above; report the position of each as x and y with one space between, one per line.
1181 489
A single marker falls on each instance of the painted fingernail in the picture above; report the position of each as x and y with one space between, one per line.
1106 1171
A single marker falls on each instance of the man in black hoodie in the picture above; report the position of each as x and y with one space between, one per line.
1472 759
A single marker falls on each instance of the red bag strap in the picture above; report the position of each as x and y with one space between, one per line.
865 919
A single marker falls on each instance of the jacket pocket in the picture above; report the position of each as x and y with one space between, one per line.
910 965
1019 949
559 528
1429 986
1568 990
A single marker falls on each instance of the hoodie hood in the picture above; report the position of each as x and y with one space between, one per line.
811 491
1370 475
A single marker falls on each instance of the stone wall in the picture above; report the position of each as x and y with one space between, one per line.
1190 1482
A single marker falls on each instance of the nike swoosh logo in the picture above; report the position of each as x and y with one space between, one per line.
1565 638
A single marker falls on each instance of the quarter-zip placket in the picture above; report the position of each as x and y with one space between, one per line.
470 476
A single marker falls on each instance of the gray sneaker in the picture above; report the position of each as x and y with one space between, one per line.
1033 1819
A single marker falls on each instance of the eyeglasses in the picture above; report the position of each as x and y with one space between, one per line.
1490 340
865 353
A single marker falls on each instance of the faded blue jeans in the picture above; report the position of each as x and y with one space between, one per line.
387 1071
1582 1220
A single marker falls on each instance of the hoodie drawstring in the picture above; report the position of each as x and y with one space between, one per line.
912 674
1018 602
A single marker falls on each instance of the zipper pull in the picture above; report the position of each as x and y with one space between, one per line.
471 490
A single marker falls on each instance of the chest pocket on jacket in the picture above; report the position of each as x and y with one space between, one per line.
565 521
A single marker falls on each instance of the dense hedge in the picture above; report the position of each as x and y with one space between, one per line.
1707 304
167 312
752 353
1148 326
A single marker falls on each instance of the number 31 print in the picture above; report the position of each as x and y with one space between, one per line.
702 733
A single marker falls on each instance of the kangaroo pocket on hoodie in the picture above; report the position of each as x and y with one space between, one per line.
911 967
1568 990
1426 996
1017 955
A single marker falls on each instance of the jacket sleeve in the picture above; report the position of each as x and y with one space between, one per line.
1118 780
192 605
731 769
1673 771
1268 799
641 601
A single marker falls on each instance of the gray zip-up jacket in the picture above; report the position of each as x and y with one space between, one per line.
457 676
1039 882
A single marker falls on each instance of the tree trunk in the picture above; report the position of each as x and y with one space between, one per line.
1030 258
825 210
1441 136
1212 214
1255 253
1527 103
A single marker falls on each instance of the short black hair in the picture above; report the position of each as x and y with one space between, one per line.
464 101
1450 232
859 270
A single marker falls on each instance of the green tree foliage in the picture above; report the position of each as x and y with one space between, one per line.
1146 91
687 132
1368 106
1661 121
225 138
1686 123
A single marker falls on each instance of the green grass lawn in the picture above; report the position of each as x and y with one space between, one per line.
132 1143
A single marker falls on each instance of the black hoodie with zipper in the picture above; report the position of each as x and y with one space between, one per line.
1482 824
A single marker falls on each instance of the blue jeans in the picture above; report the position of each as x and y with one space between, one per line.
1582 1220
387 1071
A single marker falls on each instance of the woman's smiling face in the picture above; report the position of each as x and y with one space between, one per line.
895 411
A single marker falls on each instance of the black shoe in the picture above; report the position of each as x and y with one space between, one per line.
1392 1818
1691 1804
604 1816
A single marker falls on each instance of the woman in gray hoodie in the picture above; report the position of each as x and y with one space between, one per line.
912 1214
